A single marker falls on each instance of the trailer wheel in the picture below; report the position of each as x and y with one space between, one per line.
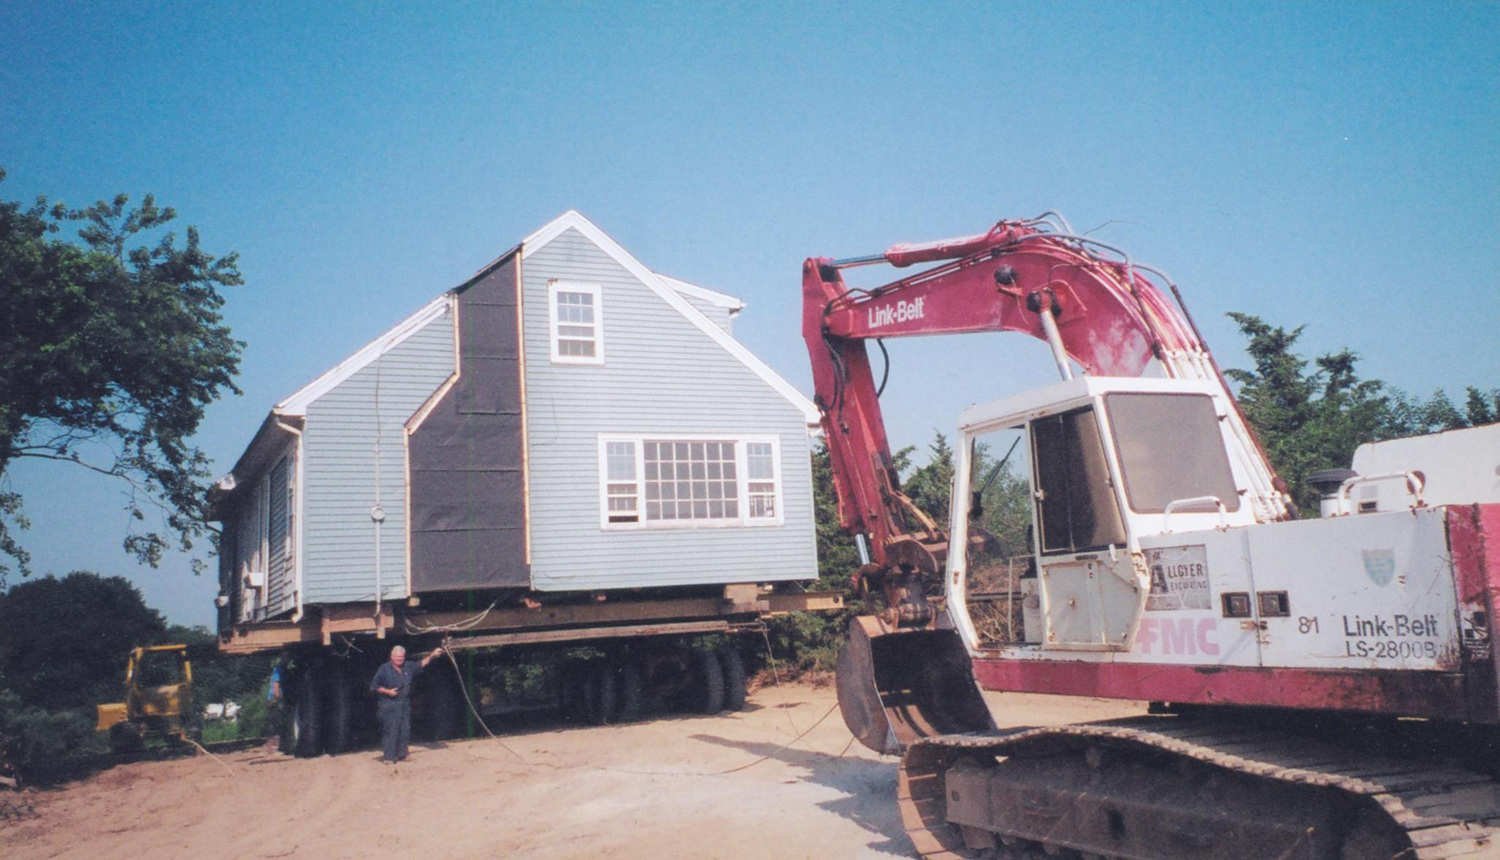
446 706
340 726
305 720
734 678
570 690
708 689
632 702
602 698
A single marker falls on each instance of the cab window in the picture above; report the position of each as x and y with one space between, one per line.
1170 449
1076 506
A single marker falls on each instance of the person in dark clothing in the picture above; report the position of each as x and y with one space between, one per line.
276 708
392 686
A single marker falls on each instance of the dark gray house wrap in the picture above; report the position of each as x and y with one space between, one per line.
566 420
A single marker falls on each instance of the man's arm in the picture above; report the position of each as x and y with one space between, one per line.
432 656
375 686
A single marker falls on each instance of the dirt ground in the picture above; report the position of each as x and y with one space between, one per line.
724 787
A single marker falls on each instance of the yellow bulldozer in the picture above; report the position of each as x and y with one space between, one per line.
158 699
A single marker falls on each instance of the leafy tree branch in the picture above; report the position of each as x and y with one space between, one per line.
115 345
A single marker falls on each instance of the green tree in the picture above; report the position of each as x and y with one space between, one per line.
1481 408
838 556
111 354
1412 415
220 677
1307 419
64 642
929 486
806 640
1006 499
1314 418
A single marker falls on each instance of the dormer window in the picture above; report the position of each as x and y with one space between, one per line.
577 318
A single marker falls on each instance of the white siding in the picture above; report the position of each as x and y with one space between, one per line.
281 586
339 443
661 376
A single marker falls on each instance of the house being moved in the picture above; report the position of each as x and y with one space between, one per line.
566 448
566 420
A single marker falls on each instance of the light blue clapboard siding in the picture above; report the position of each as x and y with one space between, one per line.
662 375
339 442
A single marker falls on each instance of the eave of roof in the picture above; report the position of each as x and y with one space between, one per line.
713 297
267 442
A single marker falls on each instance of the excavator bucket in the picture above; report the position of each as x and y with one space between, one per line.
899 686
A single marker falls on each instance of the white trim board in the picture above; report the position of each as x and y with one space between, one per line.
657 284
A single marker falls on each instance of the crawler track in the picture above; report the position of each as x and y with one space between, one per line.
1150 788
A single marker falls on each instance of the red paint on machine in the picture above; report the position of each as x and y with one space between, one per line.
1414 694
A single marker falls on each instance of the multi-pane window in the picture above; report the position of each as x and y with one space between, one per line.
691 481
576 323
683 482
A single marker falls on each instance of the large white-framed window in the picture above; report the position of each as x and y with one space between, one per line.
576 315
689 481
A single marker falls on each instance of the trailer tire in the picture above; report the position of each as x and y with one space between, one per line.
734 678
602 693
570 692
340 726
708 689
446 706
632 701
306 714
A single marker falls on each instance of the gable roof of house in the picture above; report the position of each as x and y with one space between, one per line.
672 295
671 290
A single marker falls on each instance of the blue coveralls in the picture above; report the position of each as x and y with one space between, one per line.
395 713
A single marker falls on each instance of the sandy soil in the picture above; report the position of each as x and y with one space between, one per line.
724 787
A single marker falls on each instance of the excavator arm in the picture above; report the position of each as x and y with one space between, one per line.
1093 305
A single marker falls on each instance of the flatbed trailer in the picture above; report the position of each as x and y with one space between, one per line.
611 657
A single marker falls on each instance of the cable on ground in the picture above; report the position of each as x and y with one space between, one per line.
772 754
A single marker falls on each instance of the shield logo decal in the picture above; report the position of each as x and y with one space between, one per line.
1380 566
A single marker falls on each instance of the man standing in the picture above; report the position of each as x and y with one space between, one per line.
276 709
392 683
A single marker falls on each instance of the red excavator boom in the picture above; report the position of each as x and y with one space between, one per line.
1091 303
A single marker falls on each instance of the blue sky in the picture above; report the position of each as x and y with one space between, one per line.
1333 164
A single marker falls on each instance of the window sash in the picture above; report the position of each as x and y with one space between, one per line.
576 322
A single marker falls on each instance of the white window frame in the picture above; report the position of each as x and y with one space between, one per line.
595 290
742 482
744 458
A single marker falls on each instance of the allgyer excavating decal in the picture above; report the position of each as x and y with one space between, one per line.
1179 578
900 312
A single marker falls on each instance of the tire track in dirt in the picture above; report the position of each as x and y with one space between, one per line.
327 794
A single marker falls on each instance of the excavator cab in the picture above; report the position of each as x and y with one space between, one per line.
1052 492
